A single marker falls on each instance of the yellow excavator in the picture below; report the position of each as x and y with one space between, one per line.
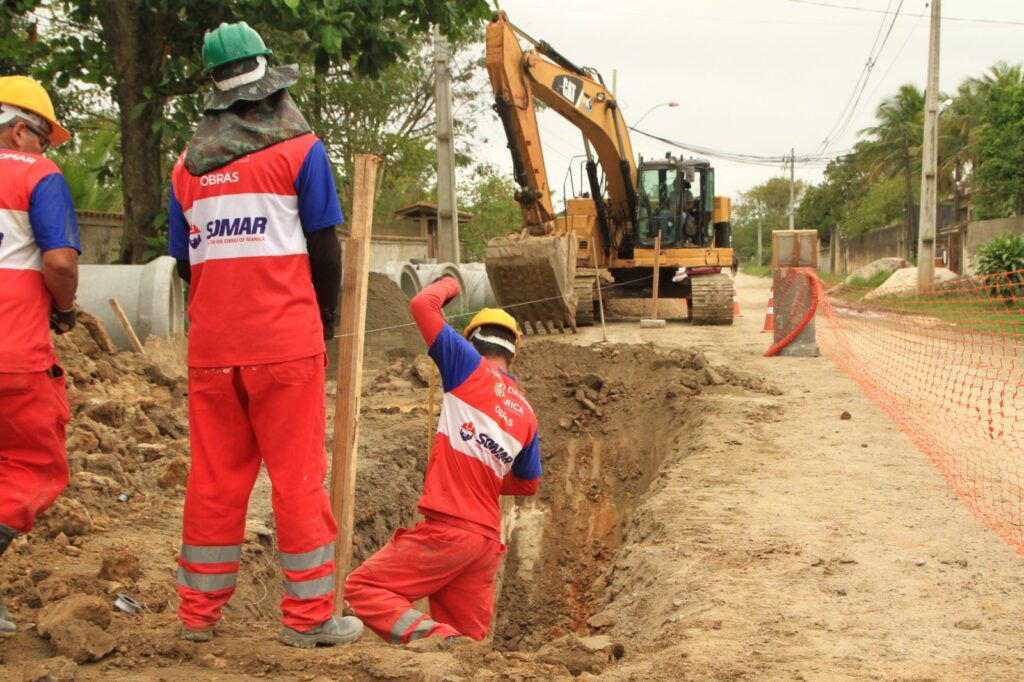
545 275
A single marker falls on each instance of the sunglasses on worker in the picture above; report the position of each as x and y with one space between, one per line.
44 139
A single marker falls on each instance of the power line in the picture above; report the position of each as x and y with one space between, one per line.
873 57
751 159
969 20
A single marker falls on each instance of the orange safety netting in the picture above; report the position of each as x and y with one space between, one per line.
948 367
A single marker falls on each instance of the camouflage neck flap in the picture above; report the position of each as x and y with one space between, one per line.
247 127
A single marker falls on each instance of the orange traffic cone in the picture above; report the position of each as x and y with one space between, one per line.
769 318
735 303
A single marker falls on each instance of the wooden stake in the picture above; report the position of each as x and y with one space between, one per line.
430 407
354 280
600 300
657 275
127 326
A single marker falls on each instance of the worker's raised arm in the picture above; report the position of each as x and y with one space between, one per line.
454 356
426 307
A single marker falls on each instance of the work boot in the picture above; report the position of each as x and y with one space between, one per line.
7 626
190 635
337 630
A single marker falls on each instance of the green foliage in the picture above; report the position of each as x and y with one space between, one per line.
90 164
489 197
755 270
1001 262
1000 174
767 202
880 206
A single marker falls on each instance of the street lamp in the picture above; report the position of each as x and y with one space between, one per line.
656 106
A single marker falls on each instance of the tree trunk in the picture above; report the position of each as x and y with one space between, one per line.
136 39
910 220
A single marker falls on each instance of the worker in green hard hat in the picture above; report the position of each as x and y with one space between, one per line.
253 210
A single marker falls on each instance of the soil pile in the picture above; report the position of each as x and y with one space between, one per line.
390 330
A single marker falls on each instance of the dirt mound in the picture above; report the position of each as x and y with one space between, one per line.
391 331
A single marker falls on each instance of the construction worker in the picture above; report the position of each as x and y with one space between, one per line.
39 249
253 209
486 445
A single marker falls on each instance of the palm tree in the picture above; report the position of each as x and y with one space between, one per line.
896 147
959 128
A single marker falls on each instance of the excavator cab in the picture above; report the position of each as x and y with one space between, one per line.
675 197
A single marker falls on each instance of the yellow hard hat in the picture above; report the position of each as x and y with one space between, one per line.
495 316
27 94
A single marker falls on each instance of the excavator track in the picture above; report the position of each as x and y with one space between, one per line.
711 299
584 289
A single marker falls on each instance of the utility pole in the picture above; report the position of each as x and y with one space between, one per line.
929 164
792 187
760 220
447 204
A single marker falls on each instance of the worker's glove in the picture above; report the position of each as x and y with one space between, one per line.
327 317
62 321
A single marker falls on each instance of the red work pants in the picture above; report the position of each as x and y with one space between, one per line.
239 416
451 566
33 461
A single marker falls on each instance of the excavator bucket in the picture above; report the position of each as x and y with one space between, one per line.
533 278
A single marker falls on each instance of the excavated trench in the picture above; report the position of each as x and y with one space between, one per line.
609 417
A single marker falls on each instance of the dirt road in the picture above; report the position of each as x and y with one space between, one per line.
792 544
705 514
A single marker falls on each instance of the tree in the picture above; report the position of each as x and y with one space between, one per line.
146 53
489 196
896 146
999 177
393 114
767 202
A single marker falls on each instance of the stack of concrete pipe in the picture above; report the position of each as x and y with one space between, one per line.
151 296
412 276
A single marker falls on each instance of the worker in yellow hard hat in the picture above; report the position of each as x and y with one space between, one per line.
39 249
486 446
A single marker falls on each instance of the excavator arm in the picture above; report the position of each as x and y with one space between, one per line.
533 274
516 78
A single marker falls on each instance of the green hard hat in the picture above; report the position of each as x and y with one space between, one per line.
231 42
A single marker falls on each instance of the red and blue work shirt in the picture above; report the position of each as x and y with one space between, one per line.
487 430
242 227
36 215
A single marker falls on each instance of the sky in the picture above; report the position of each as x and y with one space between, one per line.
754 77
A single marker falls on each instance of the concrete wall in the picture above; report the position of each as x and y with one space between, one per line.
985 230
858 251
101 236
387 248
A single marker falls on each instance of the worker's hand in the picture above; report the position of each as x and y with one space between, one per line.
63 321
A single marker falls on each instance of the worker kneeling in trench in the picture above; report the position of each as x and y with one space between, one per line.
486 446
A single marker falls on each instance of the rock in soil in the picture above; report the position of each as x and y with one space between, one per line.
175 473
68 516
81 641
120 565
80 607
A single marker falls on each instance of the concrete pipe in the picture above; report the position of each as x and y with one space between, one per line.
429 272
151 296
478 290
404 275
